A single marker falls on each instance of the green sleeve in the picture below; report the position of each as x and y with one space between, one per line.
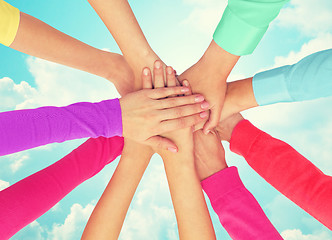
244 23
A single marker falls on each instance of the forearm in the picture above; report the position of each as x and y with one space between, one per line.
24 129
192 215
28 199
38 39
285 169
108 216
237 209
120 20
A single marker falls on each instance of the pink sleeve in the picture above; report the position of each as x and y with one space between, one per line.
238 211
29 128
285 169
28 199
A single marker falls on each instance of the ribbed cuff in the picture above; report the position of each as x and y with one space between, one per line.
236 36
271 87
243 136
9 23
221 183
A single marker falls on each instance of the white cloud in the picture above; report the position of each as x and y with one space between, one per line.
205 15
56 85
151 209
309 17
17 163
3 185
296 234
74 224
322 42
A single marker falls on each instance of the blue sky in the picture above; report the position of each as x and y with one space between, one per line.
179 31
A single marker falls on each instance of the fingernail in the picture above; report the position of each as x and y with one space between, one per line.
172 149
169 70
157 64
185 90
207 132
146 72
205 105
199 99
186 83
203 114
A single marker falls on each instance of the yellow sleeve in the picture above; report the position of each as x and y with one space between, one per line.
9 21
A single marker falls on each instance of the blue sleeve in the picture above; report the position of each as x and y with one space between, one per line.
309 79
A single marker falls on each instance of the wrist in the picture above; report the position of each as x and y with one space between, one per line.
215 57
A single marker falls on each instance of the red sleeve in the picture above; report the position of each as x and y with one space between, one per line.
28 199
285 169
238 211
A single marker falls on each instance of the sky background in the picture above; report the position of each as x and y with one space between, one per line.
179 31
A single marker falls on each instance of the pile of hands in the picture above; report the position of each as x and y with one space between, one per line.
166 117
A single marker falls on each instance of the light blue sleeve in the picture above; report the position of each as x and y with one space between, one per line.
309 79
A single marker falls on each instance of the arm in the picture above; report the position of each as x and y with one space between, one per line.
28 199
284 168
307 79
27 34
238 211
108 216
24 129
191 212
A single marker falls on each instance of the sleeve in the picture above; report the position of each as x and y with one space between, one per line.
286 170
9 22
237 209
309 79
28 199
243 24
24 129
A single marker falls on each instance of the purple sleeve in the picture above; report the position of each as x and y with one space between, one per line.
25 129
238 210
28 199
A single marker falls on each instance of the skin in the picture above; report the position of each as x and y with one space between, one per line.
108 216
55 46
225 128
190 208
209 154
147 113
208 76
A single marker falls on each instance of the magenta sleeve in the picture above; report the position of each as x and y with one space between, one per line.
238 211
285 169
28 199
25 129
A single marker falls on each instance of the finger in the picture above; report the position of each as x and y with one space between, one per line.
166 92
146 78
158 75
162 143
185 122
178 101
187 84
199 126
213 121
170 77
183 111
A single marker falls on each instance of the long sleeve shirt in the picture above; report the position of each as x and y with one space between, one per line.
9 22
308 79
286 170
24 129
243 24
238 211
26 200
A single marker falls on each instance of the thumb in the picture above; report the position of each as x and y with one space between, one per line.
213 120
162 143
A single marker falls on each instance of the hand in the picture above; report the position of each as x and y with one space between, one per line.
182 137
208 77
225 128
209 154
147 113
